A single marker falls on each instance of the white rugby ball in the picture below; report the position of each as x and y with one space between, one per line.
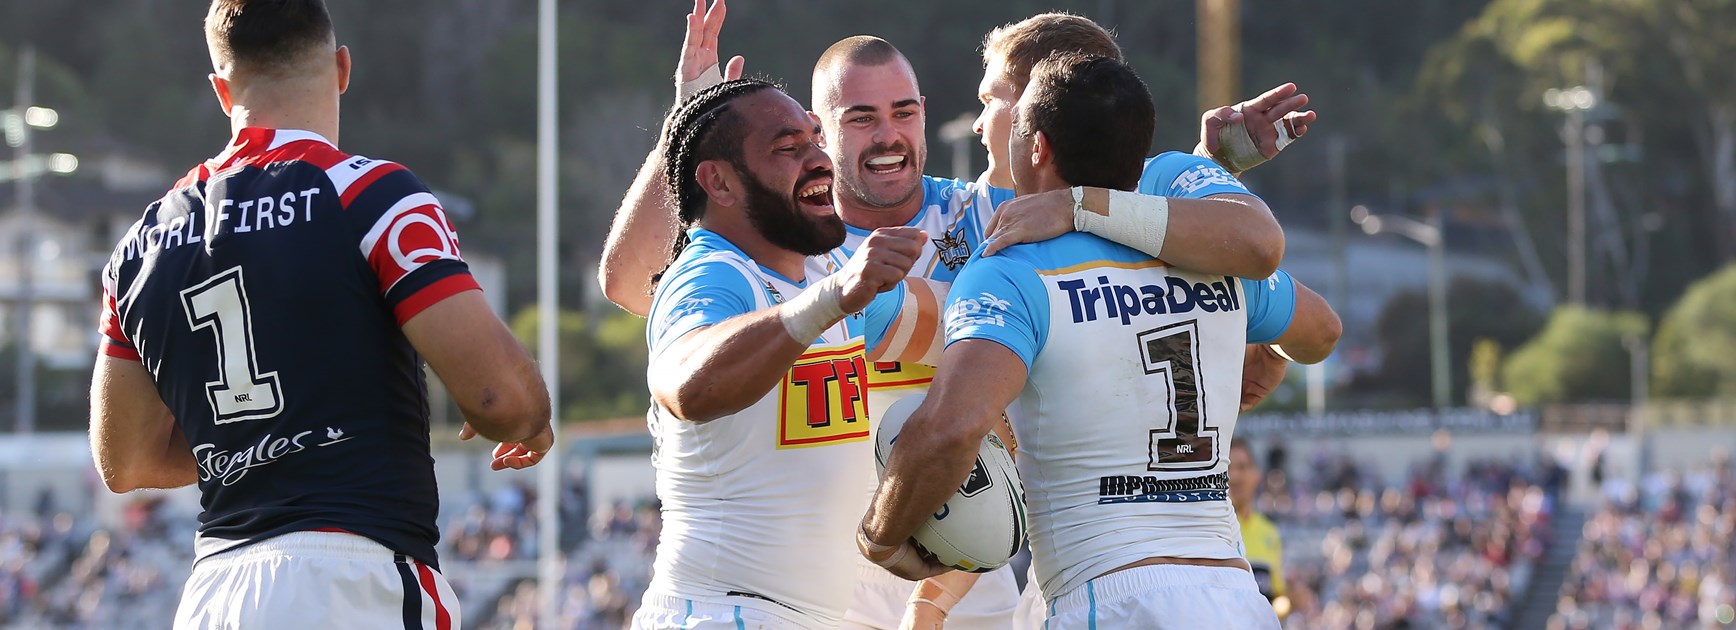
983 523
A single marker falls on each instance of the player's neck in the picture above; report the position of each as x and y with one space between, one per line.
863 216
285 107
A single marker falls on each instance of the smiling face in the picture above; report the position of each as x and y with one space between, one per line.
785 176
999 95
874 120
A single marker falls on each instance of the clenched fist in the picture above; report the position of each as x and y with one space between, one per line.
878 265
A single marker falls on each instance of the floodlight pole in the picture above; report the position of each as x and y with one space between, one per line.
25 190
549 565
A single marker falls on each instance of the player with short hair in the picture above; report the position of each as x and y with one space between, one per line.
1126 371
1264 547
264 325
757 370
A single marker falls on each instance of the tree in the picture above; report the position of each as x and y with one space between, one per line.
1579 356
1476 310
1692 353
603 361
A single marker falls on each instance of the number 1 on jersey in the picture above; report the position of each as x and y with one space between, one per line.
240 392
1185 440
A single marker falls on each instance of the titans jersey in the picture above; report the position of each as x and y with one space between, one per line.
1126 419
264 295
956 215
760 507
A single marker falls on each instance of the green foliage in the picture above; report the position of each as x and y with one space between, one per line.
1693 354
603 360
1476 311
1579 356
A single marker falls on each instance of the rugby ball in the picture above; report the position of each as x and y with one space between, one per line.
982 525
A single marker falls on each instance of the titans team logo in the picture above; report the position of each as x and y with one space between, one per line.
952 250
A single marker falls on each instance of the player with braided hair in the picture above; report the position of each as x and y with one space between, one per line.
759 414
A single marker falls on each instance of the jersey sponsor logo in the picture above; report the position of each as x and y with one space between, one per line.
952 250
1200 176
824 398
897 375
227 466
986 309
1124 302
1151 489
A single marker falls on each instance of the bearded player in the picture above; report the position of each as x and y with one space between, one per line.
1126 370
868 103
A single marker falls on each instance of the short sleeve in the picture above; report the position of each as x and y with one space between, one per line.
1182 175
695 296
1002 300
409 244
1271 305
115 342
878 317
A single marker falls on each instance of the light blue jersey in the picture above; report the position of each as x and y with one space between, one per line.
1134 385
764 501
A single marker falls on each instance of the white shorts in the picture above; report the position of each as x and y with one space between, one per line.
1166 596
1031 611
667 612
882 597
309 580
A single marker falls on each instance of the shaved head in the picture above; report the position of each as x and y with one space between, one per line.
860 50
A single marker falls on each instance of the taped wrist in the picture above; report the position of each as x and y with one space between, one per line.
707 78
1278 351
935 594
813 311
885 556
1135 220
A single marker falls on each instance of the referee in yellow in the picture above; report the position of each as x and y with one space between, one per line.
1260 540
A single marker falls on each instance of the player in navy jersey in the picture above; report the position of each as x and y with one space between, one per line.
264 326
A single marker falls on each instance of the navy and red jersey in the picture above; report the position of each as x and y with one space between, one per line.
264 294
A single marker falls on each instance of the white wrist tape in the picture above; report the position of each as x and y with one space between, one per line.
1279 351
813 311
1135 220
707 78
935 594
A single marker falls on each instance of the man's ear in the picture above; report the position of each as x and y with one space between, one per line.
220 86
720 182
343 61
1041 154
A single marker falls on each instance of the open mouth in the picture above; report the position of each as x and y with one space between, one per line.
886 164
816 194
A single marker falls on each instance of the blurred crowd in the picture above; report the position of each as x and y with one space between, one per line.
64 571
1658 555
1440 550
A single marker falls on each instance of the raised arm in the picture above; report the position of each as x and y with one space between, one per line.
133 436
1242 136
644 228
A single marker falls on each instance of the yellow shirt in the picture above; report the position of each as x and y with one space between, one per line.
1265 552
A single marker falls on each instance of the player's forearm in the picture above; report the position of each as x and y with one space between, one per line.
1235 237
640 238
722 369
932 458
1314 329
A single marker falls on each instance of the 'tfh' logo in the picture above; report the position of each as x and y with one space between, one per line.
1124 302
